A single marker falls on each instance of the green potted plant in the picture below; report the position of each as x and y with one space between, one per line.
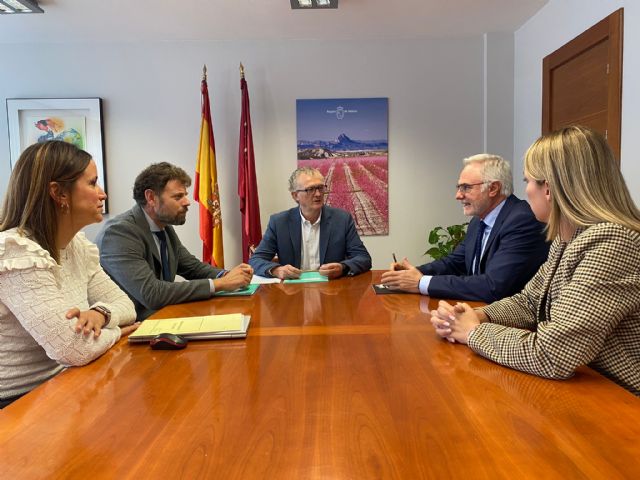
445 240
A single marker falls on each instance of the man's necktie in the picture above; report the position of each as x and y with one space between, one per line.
477 253
164 255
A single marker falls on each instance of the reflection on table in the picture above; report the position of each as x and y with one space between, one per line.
332 381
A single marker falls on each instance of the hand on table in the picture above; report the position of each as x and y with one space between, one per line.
286 271
129 329
331 270
402 276
237 277
455 322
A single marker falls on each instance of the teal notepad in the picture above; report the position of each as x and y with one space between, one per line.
248 290
308 277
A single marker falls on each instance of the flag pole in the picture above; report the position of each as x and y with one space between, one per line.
206 191
247 181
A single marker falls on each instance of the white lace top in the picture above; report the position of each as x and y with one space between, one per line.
36 338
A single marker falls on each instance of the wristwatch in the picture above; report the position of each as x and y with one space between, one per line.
104 311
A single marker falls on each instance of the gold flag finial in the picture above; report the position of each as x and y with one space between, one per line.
241 70
204 72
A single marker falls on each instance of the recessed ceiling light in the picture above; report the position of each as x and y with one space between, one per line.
311 4
19 6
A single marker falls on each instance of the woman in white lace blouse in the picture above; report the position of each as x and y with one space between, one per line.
57 306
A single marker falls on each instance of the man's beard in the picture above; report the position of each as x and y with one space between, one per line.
178 219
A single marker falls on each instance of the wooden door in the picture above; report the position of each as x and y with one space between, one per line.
582 82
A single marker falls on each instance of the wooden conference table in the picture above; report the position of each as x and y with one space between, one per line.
332 382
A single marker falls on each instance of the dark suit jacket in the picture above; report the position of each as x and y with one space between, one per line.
339 242
128 253
514 251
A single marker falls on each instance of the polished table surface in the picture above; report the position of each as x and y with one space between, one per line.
332 382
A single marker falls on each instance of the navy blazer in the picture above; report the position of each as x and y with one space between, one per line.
514 251
339 242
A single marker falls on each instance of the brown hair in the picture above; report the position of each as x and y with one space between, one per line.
585 182
155 177
28 206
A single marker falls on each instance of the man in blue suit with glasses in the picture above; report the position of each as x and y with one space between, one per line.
503 248
311 236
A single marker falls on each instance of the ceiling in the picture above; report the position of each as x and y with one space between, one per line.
206 20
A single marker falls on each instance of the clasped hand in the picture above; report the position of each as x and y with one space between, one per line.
454 322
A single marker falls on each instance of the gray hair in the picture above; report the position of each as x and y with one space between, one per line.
293 179
494 169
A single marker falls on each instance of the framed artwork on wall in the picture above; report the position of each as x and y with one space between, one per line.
347 140
73 120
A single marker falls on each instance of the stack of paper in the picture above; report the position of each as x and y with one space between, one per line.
233 325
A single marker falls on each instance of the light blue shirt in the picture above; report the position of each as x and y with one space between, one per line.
490 221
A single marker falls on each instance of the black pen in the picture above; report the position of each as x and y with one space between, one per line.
394 258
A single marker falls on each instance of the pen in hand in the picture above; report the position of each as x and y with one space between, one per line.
395 265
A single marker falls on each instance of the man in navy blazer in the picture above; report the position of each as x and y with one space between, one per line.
312 236
503 230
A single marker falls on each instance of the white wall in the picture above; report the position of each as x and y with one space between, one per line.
553 26
499 94
151 102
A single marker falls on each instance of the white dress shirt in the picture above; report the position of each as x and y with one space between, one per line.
310 257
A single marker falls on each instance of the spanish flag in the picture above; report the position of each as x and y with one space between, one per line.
206 191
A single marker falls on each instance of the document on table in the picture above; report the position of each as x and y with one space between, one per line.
308 277
233 325
248 290
258 280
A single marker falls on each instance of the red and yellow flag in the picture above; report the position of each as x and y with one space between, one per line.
206 191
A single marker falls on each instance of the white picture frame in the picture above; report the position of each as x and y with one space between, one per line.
76 120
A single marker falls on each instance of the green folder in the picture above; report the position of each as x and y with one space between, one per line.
248 290
308 277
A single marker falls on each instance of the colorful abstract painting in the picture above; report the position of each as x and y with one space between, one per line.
71 129
347 140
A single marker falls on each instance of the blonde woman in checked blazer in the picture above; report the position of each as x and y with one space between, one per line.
583 305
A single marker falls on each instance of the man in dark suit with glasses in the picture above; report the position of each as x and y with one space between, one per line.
503 248
311 236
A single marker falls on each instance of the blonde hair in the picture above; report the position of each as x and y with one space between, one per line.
585 182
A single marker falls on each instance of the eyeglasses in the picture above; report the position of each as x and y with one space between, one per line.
314 189
466 187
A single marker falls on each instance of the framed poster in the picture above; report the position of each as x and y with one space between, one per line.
347 140
73 120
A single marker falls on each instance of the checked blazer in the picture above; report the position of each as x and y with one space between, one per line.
581 308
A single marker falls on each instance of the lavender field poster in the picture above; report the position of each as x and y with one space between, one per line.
347 140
